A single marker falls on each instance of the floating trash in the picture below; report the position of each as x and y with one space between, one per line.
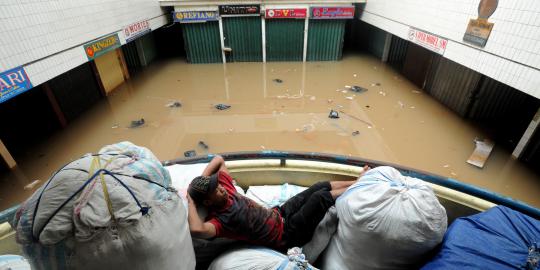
312 98
190 153
231 129
115 126
278 80
174 104
203 145
446 166
222 107
137 123
382 93
354 75
329 101
333 114
32 185
350 98
367 106
355 133
262 147
412 107
401 104
358 89
416 92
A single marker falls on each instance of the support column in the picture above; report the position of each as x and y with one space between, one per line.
123 64
263 31
10 162
222 40
386 50
306 30
527 135
56 107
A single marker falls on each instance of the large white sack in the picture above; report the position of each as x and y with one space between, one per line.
273 195
386 221
322 235
259 258
73 227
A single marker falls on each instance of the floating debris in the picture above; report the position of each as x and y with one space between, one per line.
262 147
356 118
174 104
354 75
203 145
357 89
382 93
115 126
137 123
350 98
32 185
190 153
453 173
367 106
416 92
344 91
446 166
401 104
222 107
333 114
278 80
412 107
231 129
340 106
481 153
329 101
376 84
312 98
355 133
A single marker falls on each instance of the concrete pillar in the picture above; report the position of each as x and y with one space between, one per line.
527 135
10 162
386 50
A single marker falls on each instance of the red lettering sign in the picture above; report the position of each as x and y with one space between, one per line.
428 41
332 12
286 13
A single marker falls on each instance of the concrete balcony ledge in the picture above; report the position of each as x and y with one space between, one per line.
187 3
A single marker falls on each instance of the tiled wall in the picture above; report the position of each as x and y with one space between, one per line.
46 36
512 54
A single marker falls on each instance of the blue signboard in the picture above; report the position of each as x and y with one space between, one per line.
13 82
195 16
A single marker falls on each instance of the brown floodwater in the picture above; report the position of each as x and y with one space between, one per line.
395 121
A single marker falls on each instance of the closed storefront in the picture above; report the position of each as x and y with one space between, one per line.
285 34
201 36
326 32
242 33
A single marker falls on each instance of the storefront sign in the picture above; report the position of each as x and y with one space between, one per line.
427 40
478 30
332 12
13 82
195 16
101 46
286 13
136 30
240 10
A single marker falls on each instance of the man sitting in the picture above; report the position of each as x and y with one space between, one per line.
232 215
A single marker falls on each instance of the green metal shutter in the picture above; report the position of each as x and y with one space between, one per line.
201 41
284 40
325 40
132 57
149 48
244 36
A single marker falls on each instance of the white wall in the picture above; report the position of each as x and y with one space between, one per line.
46 36
512 53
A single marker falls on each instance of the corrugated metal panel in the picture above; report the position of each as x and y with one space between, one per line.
397 52
201 41
76 90
148 46
503 109
132 57
325 40
375 40
244 36
453 85
284 39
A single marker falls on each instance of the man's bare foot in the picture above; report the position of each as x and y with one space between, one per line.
365 169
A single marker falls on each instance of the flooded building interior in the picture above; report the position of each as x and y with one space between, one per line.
406 83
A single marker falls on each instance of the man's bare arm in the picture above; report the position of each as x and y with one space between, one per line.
215 165
197 227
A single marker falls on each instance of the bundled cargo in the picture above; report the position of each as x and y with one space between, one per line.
499 238
259 258
111 210
386 221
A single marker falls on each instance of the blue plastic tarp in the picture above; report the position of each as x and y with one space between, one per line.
499 238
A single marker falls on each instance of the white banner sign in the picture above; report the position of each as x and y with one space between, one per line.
427 40
136 30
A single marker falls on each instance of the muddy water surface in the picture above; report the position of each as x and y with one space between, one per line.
395 122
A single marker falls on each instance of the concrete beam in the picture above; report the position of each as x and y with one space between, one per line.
10 162
169 3
527 135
